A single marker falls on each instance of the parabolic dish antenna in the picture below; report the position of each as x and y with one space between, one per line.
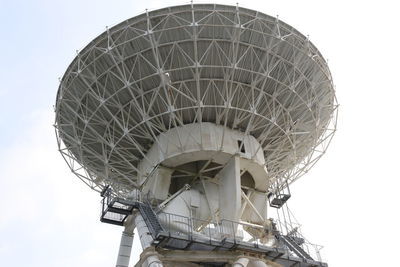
233 73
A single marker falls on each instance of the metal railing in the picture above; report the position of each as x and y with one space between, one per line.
292 229
209 232
283 233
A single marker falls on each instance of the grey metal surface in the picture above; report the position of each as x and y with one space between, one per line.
191 64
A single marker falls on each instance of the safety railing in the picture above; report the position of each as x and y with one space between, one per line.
114 216
292 230
208 231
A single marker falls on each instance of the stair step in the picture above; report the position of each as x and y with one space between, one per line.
299 251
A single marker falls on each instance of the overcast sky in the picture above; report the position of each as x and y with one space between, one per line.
348 202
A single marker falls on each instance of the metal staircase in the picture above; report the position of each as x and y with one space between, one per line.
294 247
150 218
115 210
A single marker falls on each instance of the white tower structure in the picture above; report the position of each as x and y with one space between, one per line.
190 120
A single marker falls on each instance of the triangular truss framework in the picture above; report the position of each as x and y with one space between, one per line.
192 64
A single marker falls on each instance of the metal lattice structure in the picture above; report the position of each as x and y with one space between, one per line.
175 66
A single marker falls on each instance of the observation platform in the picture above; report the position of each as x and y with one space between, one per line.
169 239
208 236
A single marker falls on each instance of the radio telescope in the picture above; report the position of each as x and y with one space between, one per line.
189 120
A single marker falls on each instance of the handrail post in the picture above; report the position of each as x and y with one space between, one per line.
209 232
190 228
234 232
169 224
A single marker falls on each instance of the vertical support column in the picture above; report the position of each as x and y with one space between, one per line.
241 262
151 258
230 190
259 263
144 234
158 183
125 246
125 249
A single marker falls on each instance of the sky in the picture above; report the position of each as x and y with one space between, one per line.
348 202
